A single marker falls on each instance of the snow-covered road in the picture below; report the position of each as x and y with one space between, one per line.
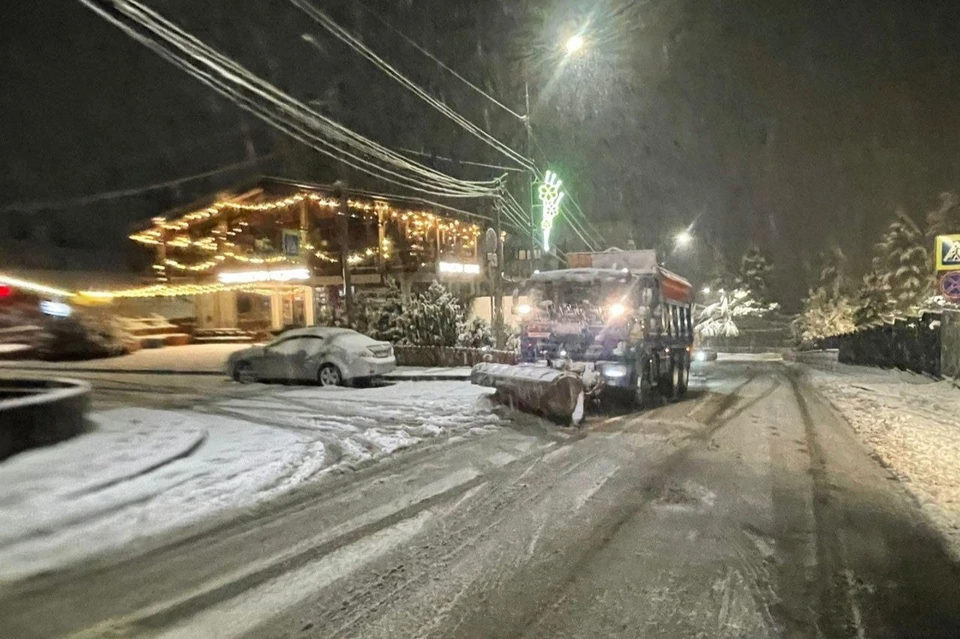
145 471
748 510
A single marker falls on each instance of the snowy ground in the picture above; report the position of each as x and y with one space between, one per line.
191 358
912 426
143 471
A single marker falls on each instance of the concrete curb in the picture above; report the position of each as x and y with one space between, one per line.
40 412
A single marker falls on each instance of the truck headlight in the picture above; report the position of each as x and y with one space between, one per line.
616 310
523 309
613 370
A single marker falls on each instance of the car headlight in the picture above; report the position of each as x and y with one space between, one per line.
523 309
616 310
701 356
613 370
367 353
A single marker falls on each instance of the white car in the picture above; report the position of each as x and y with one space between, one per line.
327 356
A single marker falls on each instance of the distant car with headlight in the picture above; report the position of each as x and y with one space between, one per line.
704 355
324 355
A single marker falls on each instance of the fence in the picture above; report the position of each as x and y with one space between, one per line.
912 344
446 356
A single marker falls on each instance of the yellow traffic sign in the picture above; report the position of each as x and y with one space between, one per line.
947 254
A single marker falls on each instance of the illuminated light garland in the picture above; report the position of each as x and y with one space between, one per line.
33 287
172 290
420 218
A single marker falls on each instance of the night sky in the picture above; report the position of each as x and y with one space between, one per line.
785 124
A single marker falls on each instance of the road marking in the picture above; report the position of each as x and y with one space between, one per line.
246 612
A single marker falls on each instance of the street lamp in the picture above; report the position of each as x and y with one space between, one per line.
683 238
574 44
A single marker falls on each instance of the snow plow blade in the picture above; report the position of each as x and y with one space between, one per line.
547 392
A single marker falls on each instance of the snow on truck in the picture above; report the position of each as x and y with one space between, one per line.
616 324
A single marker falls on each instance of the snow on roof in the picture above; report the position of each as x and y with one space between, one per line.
581 276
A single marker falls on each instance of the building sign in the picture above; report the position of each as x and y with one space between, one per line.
458 268
947 254
291 242
280 275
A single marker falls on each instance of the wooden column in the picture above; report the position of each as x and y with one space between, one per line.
343 224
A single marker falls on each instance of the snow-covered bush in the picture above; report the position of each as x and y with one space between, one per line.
717 319
82 337
432 318
475 334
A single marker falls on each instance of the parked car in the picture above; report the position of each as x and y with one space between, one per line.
705 355
327 356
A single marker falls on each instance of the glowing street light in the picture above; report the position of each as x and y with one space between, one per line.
683 238
575 44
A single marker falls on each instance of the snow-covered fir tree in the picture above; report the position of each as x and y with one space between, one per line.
945 218
385 320
874 303
905 264
754 274
827 309
432 318
824 315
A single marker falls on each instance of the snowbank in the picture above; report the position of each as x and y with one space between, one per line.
194 358
912 425
145 471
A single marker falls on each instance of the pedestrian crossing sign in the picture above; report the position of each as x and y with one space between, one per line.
948 253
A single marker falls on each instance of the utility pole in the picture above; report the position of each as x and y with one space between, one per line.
343 219
498 280
528 152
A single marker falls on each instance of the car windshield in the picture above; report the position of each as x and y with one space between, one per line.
429 319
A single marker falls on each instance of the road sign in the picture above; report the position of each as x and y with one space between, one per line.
947 253
950 285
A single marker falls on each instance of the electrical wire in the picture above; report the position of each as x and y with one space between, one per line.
224 65
292 117
439 62
354 43
32 207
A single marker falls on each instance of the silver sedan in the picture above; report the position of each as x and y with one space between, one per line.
327 356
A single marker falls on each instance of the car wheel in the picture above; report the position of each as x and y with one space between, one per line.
329 375
243 373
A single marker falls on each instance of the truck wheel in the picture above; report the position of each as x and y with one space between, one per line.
676 377
667 382
684 373
644 394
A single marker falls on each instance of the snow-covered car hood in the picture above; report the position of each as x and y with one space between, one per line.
246 353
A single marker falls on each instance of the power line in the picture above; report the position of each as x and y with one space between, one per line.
32 207
227 68
467 162
289 115
354 43
419 48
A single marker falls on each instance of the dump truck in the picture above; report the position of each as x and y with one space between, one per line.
616 325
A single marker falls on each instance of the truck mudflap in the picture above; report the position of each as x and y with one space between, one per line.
557 395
